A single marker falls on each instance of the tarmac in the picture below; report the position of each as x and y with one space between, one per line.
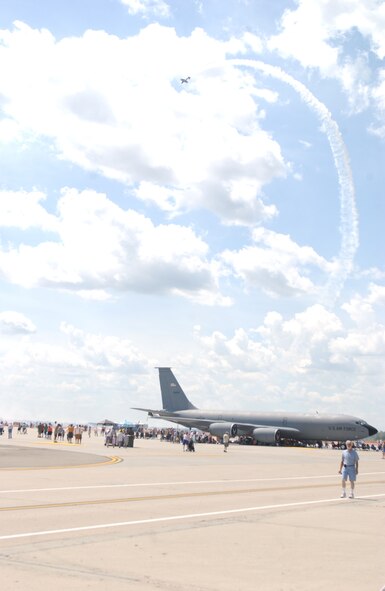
153 517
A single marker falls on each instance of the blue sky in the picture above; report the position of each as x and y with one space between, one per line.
231 227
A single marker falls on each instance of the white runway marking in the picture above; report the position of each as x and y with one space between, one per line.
50 532
186 482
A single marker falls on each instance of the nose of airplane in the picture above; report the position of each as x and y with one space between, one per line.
372 430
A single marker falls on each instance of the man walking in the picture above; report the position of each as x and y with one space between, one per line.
349 469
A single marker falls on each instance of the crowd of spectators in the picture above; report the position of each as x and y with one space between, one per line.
114 434
173 435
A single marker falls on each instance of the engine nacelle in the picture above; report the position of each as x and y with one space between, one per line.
267 435
219 429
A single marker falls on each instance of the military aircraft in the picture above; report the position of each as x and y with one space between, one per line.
266 427
185 80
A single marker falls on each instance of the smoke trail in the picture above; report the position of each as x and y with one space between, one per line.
348 213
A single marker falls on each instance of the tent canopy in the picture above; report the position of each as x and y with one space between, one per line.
106 422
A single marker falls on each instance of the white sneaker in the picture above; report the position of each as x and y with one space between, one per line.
351 496
343 495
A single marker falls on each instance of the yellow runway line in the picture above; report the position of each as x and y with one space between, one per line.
111 460
171 496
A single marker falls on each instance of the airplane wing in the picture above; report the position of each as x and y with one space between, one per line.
205 424
153 413
196 423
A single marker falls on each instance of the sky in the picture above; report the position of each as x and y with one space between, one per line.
230 227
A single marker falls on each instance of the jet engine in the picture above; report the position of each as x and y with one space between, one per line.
267 435
219 429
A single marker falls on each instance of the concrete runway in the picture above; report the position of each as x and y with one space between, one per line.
256 518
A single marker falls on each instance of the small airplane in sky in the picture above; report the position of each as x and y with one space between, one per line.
185 80
263 427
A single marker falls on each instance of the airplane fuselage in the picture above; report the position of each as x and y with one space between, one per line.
323 427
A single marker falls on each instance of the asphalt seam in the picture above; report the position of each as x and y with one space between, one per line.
170 496
202 515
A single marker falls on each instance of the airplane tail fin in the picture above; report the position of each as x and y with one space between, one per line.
173 397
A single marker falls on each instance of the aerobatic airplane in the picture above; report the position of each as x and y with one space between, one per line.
266 427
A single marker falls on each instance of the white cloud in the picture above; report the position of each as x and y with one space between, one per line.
378 96
301 342
362 308
24 210
117 107
79 380
355 77
102 248
276 264
319 24
311 361
256 44
360 311
15 323
9 131
316 33
104 352
305 35
350 348
348 213
304 362
157 8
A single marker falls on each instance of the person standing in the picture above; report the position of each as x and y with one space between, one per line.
349 468
225 440
191 443
78 432
185 441
70 433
